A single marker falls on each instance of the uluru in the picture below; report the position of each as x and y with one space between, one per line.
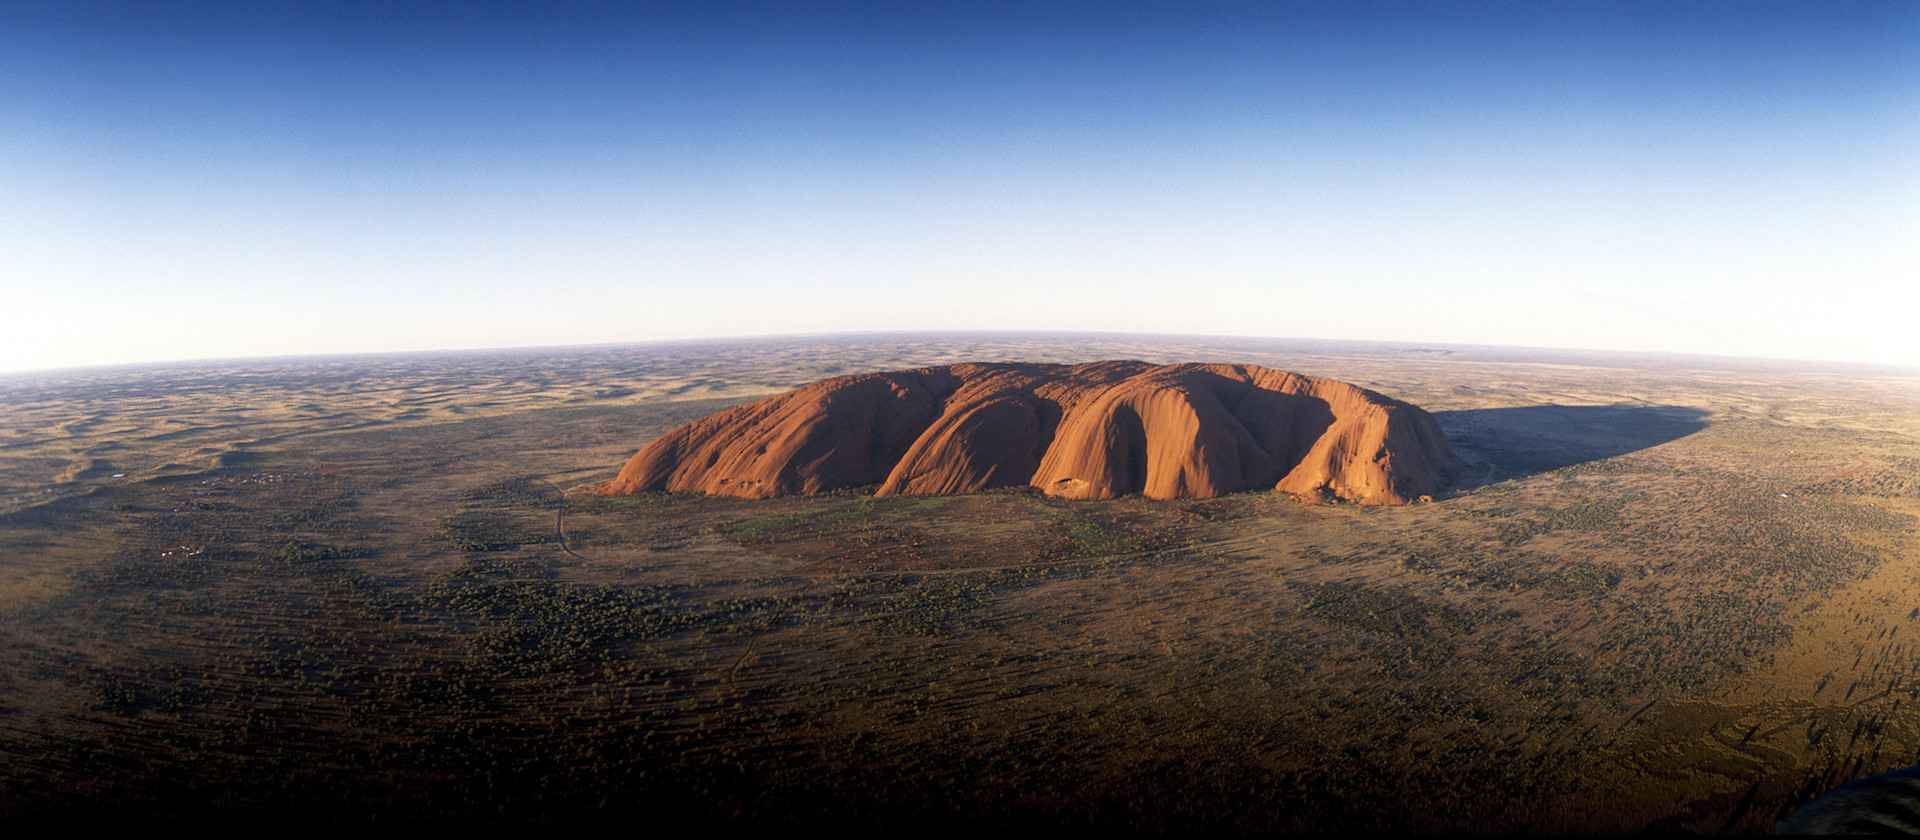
1089 431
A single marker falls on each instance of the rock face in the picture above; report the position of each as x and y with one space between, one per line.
1092 431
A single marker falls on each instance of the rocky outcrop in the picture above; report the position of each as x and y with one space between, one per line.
1092 431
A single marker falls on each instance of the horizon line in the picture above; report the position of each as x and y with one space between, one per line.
1879 367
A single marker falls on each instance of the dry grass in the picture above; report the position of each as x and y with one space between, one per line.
1683 615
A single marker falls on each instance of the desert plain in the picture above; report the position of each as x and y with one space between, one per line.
1668 592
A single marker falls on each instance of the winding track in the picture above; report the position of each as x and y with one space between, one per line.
560 520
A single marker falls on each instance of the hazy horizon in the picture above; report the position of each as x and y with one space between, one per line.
1546 354
186 181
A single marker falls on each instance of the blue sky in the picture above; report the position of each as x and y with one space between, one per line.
187 180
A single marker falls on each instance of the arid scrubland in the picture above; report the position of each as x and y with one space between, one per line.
1670 593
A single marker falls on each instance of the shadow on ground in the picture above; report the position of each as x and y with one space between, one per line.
1504 443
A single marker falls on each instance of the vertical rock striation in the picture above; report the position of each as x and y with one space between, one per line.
1092 431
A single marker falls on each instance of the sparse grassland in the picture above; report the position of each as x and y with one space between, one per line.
1678 616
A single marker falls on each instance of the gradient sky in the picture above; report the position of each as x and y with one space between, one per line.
184 180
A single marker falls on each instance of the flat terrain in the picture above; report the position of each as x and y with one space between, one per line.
1671 593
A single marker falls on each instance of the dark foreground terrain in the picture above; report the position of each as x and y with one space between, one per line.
1670 594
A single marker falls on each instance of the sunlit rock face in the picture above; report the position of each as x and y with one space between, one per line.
1091 431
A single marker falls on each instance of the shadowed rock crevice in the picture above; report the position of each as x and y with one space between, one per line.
1091 431
1285 426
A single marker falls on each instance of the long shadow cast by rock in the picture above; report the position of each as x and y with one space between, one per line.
1504 443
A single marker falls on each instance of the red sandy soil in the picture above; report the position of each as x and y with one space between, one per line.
1090 431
